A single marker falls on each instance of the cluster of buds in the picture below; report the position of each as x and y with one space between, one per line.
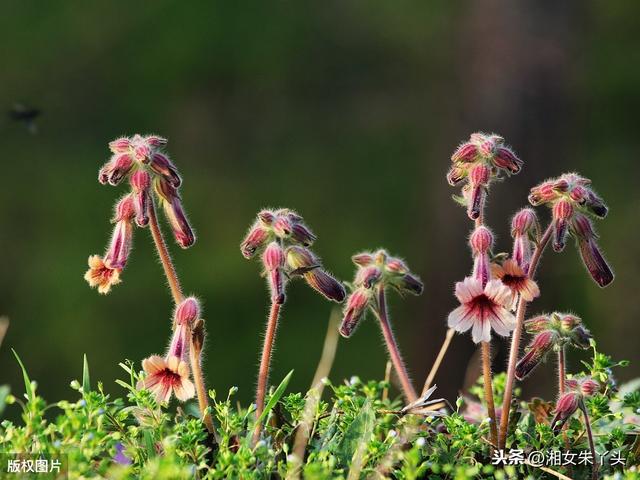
170 374
150 173
481 159
578 388
551 333
282 239
573 204
375 270
485 302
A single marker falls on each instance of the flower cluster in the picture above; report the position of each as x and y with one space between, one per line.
578 388
150 173
551 333
282 239
375 270
573 204
485 302
481 159
170 374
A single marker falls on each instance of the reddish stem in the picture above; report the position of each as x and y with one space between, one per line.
163 253
392 347
592 447
265 362
515 340
488 390
561 371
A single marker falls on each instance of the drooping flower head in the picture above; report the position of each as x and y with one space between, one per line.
551 333
578 388
481 159
573 205
375 270
281 238
150 175
482 309
170 375
525 231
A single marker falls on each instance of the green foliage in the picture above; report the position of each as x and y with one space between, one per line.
357 432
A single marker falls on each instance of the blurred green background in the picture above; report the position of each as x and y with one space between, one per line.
345 111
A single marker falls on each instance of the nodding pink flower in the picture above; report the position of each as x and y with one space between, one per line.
120 246
513 276
479 160
301 261
578 388
101 275
256 239
116 169
161 165
592 257
363 259
172 207
355 310
482 309
140 185
167 376
525 231
562 212
481 242
368 276
273 261
537 350
282 226
301 234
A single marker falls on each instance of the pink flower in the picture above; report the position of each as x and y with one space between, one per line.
165 376
514 277
482 309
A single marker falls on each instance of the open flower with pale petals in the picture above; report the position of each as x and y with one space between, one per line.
513 276
482 309
101 275
166 376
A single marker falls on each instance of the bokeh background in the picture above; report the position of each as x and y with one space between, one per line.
346 111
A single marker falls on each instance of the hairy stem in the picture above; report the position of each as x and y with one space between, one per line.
592 447
163 253
265 362
392 347
561 371
438 361
515 340
488 391
178 297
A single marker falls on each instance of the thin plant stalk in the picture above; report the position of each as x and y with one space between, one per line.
561 371
163 253
178 297
592 447
392 347
265 363
488 391
515 340
436 365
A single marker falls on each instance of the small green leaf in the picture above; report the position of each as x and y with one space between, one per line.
275 397
86 381
4 393
27 381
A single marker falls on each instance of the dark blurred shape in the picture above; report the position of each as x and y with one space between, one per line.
27 115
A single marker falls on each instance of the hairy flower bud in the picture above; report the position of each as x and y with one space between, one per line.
140 183
466 152
408 283
187 312
354 310
565 407
456 174
325 284
541 344
562 213
537 324
301 234
161 165
524 222
581 337
267 217
363 259
273 260
481 240
120 145
255 240
589 387
368 276
300 260
116 169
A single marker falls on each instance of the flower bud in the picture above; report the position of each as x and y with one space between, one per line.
301 234
537 324
466 152
140 182
300 260
255 239
124 209
273 261
589 387
541 344
408 283
161 165
179 346
155 141
187 312
325 284
524 222
120 145
568 321
182 231
565 407
481 240
368 276
505 159
543 193
562 212
116 169
456 174
282 226
595 262
397 266
354 311
581 337
120 245
267 217
363 259
595 205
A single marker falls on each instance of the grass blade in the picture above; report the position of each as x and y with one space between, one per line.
27 381
86 381
273 399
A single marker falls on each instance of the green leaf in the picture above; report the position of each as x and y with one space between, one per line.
86 381
275 397
357 433
27 381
